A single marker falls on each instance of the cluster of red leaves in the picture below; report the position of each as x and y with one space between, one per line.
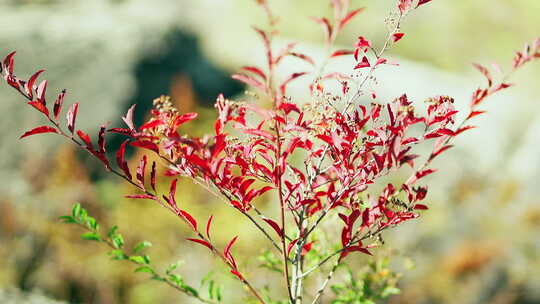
254 150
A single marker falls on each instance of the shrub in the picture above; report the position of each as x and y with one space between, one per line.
320 159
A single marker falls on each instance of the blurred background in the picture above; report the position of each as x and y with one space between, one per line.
477 244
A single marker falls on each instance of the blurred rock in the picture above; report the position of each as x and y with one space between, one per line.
14 296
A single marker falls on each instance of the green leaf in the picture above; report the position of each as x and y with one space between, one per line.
83 215
118 241
113 231
219 293
91 223
211 289
141 246
176 279
158 278
91 236
67 219
191 290
145 269
75 211
138 259
173 266
118 255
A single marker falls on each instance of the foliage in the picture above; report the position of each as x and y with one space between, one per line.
350 143
375 284
115 241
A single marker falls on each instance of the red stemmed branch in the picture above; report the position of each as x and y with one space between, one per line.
27 89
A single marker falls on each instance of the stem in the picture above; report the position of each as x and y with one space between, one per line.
282 212
263 231
326 281
299 262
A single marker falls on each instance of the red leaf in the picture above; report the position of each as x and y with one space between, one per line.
58 104
39 130
380 61
338 76
121 161
461 130
359 249
404 6
503 86
445 131
30 83
363 64
345 236
433 134
249 81
196 160
128 119
290 246
349 17
219 145
238 275
485 72
303 57
208 224
146 144
261 133
182 119
418 175
422 2
255 70
85 138
236 204
190 219
267 45
293 76
227 250
9 62
152 124
71 116
263 190
101 138
40 91
420 207
202 242
274 226
397 36
172 194
423 173
141 196
284 52
326 27
326 139
363 43
122 131
141 169
245 185
100 154
341 53
475 113
307 248
153 176
439 151
40 107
